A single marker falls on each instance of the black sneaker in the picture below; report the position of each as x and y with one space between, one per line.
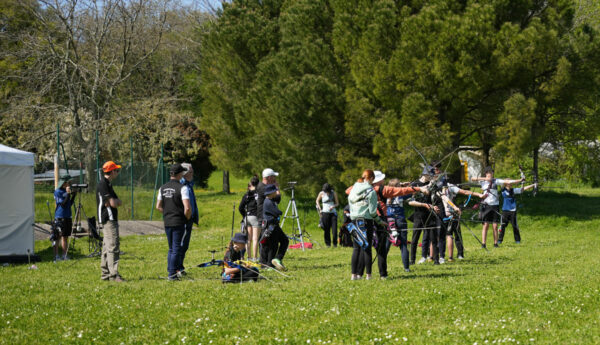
496 245
483 246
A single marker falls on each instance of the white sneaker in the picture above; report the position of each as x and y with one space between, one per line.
460 258
422 261
442 261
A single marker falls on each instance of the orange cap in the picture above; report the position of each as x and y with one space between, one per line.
110 166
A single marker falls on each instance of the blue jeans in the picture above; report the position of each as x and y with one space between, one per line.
175 239
185 243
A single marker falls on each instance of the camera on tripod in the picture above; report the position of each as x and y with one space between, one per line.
291 185
79 186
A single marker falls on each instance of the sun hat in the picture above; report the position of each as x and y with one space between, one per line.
379 176
269 172
240 238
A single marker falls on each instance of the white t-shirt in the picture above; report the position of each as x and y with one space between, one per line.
450 193
491 189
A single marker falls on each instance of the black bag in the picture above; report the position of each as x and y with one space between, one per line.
345 238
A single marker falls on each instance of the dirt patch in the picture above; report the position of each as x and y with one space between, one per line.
126 228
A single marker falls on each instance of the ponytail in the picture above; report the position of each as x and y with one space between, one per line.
367 175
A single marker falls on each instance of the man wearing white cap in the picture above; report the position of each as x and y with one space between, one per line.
269 176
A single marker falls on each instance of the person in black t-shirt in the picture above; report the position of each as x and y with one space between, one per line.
248 209
174 203
108 201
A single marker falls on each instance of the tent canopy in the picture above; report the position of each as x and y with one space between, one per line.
14 157
16 202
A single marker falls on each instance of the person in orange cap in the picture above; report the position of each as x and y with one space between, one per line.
108 202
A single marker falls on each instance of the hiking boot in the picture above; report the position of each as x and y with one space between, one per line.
421 261
278 264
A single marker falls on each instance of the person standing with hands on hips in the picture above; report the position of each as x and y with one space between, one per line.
328 213
108 215
174 203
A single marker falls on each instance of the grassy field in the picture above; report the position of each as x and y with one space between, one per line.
543 291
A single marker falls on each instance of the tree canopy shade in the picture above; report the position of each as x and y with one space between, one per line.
322 89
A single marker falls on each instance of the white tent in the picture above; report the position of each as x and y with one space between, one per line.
16 202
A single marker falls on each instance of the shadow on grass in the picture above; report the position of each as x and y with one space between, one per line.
563 204
414 275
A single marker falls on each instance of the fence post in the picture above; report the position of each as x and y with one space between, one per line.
158 166
131 150
97 160
57 167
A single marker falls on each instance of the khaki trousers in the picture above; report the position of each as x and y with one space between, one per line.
109 263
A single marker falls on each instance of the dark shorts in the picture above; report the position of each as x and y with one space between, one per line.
64 226
489 213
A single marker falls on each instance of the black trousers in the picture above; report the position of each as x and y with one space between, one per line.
329 221
453 231
418 223
362 259
442 238
275 247
382 249
509 217
432 223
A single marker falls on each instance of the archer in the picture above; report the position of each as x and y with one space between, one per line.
489 210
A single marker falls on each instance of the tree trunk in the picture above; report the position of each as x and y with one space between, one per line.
226 181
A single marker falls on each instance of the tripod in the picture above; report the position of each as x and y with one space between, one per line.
299 235
94 242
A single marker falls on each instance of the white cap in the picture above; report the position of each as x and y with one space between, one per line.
379 176
186 166
269 172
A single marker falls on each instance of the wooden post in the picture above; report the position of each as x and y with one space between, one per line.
226 181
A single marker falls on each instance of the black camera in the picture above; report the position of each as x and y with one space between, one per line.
291 183
79 186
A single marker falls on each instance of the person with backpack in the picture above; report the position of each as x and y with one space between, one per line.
249 210
360 212
328 213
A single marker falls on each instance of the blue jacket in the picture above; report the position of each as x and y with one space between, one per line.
193 204
63 203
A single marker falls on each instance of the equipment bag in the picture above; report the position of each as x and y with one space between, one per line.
358 230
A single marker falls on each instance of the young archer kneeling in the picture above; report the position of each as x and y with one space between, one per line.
235 251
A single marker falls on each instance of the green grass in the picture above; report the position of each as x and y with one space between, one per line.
543 291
